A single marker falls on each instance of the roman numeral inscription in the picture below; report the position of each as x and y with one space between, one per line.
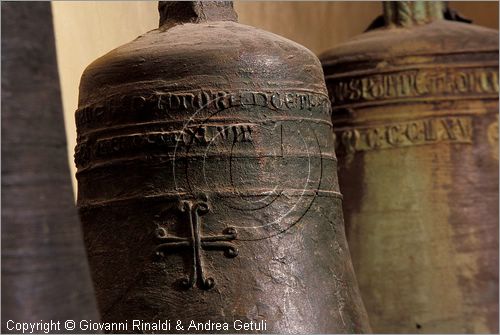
404 134
196 242
198 135
192 137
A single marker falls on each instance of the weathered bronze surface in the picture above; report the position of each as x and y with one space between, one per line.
45 276
207 182
415 111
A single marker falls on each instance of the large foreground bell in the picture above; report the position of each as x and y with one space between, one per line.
415 110
207 183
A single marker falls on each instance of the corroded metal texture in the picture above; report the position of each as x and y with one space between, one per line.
45 276
207 182
415 112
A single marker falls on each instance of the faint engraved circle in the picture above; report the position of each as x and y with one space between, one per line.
276 192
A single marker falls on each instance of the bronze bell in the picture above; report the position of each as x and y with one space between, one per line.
45 276
207 184
415 113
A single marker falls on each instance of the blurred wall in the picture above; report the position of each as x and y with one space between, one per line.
86 30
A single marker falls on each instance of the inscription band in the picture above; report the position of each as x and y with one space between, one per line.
158 106
404 134
413 84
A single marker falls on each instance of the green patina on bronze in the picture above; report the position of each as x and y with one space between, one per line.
415 114
409 13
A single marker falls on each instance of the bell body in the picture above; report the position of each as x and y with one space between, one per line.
207 184
415 111
45 276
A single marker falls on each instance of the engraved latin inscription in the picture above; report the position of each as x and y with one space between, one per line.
159 106
155 124
404 134
413 84
189 136
223 100
192 136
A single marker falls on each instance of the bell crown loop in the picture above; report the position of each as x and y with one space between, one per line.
412 13
179 12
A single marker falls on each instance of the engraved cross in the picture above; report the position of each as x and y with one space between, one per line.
197 242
